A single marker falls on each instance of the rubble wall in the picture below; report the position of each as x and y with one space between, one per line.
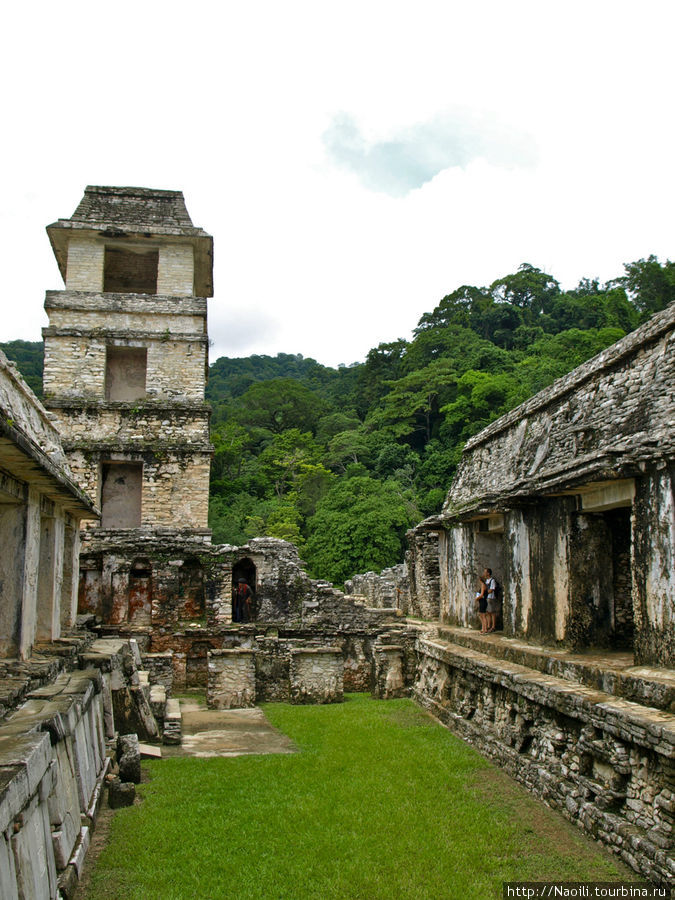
604 763
388 589
423 565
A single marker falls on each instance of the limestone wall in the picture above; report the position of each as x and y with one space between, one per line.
41 505
75 364
653 560
424 571
52 764
139 424
388 589
605 763
174 486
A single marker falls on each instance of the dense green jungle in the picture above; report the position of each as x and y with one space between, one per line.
343 461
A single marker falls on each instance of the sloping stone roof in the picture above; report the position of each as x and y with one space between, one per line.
602 421
133 206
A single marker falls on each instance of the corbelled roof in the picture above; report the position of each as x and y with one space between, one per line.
133 206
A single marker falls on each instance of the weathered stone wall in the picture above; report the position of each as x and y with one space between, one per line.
75 358
174 487
40 508
605 763
580 476
316 675
139 425
654 567
425 575
231 679
53 760
390 589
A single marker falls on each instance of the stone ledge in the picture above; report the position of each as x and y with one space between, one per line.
650 727
610 673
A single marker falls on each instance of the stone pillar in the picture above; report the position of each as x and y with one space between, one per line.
653 564
389 678
48 626
231 679
31 566
219 595
12 539
70 580
317 675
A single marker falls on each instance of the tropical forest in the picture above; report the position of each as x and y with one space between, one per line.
342 461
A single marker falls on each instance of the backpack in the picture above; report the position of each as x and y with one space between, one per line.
499 591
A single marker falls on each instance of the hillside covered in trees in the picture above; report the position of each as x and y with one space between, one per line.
342 461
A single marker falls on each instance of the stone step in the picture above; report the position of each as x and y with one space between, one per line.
173 722
612 673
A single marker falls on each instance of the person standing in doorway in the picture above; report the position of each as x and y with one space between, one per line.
241 611
492 601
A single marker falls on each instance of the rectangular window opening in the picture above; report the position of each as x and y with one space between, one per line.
125 371
121 490
130 270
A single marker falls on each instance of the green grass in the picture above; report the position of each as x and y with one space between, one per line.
382 802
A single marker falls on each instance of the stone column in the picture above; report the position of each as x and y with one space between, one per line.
317 675
31 566
12 567
52 526
231 679
70 581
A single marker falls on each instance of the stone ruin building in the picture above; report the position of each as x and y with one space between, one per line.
569 499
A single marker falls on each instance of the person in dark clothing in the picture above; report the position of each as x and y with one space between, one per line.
241 601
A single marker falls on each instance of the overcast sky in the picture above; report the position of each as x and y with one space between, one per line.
354 161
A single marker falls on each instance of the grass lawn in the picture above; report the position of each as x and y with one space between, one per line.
382 802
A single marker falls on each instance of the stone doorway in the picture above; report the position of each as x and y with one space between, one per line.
621 634
140 593
245 569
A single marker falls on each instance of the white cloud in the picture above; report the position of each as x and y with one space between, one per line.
413 156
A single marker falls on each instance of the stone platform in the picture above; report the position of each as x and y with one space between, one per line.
604 761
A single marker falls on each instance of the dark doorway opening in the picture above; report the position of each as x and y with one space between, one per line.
621 637
244 608
191 590
140 593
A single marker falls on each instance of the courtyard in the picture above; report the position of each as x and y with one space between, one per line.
379 801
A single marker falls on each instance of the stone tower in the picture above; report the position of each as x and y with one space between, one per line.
124 376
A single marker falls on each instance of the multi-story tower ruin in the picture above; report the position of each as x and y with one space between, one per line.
124 376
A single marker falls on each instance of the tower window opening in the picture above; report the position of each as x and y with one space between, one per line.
130 270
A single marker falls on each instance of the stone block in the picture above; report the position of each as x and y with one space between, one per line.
389 673
121 793
231 679
317 675
129 758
